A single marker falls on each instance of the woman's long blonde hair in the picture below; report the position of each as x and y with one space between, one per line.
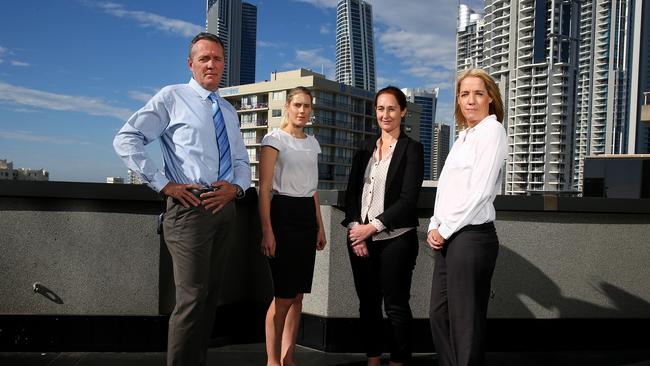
290 94
496 107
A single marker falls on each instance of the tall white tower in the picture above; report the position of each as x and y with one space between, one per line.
531 51
355 50
469 39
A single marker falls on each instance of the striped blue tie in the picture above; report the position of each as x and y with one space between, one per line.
225 164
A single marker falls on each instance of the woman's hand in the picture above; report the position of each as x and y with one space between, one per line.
360 249
359 233
435 240
321 241
268 245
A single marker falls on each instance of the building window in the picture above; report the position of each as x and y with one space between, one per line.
279 95
276 113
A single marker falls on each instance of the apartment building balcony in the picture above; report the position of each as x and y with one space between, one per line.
517 178
254 124
521 141
645 108
525 45
526 7
537 112
327 140
520 129
500 26
524 56
253 141
539 92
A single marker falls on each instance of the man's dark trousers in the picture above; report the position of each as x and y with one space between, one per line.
195 238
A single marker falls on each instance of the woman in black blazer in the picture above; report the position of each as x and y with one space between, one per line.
381 217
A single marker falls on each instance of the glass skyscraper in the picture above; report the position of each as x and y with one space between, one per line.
427 100
235 23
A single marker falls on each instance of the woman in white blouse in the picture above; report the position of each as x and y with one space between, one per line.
462 231
292 227
381 217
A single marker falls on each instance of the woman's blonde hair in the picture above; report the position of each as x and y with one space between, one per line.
290 94
496 107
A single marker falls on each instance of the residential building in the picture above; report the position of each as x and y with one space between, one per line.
31 174
572 74
530 48
8 172
343 116
427 100
235 23
441 146
132 177
639 61
469 39
610 73
114 180
355 50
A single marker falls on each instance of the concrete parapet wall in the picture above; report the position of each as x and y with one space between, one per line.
101 255
550 265
91 263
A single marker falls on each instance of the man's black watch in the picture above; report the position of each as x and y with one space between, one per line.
240 192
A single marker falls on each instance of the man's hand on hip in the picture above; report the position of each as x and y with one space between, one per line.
215 200
182 193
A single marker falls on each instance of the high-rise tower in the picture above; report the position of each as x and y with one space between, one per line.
427 100
355 51
235 23
441 145
469 39
602 96
639 137
249 43
531 51
572 75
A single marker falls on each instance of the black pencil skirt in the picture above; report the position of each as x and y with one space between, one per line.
295 229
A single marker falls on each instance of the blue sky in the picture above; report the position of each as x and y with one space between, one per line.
72 71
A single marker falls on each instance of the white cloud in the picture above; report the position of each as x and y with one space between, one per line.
313 59
326 28
384 82
267 44
141 96
445 112
30 137
19 63
152 20
320 3
60 102
4 52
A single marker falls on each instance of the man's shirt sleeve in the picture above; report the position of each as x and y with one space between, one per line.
143 127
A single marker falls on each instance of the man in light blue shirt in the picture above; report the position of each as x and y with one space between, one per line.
205 168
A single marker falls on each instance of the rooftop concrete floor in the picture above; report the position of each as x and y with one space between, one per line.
254 354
